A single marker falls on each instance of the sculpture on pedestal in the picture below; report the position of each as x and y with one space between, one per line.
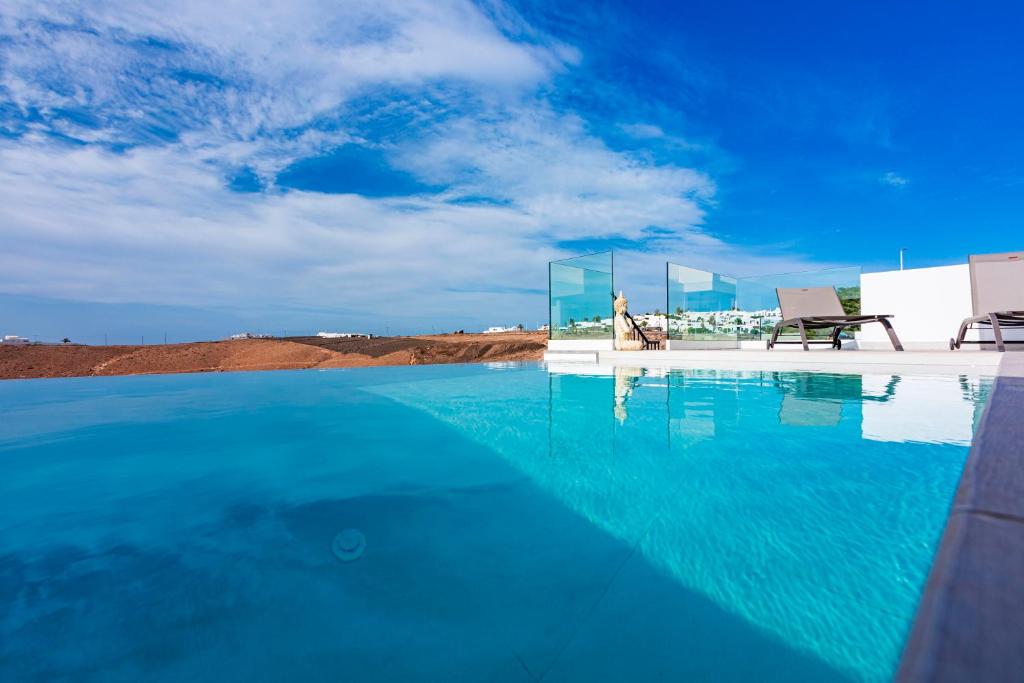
624 328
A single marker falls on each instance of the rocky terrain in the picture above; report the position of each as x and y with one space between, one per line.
73 360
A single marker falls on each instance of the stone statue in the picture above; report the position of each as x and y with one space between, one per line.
624 328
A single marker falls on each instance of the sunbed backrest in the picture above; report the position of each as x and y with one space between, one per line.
807 302
997 282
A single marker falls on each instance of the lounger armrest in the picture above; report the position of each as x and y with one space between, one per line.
839 319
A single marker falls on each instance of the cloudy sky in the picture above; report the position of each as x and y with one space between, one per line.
412 166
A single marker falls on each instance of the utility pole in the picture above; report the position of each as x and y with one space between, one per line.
902 250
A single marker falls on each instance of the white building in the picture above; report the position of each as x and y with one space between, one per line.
14 340
650 320
343 335
927 305
249 335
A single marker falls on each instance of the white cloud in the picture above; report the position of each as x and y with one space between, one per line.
547 165
156 223
893 179
274 65
151 225
642 131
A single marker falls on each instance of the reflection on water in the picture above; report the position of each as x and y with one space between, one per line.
808 503
472 523
625 381
928 409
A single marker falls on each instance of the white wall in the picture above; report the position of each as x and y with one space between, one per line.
692 345
928 305
580 344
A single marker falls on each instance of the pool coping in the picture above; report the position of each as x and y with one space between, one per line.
970 621
853 362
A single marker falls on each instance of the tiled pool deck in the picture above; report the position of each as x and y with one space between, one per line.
970 623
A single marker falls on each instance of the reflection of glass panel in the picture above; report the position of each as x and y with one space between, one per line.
808 412
579 419
580 292
701 305
695 414
757 300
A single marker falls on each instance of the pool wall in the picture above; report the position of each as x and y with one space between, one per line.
970 623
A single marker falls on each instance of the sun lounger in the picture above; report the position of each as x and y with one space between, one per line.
817 308
997 298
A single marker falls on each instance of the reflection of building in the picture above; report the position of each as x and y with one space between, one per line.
903 408
926 409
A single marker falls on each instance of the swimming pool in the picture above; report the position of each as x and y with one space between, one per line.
492 522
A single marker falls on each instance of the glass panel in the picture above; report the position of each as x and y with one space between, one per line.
580 297
701 305
758 304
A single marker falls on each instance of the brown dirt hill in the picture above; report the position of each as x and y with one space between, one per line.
427 350
265 354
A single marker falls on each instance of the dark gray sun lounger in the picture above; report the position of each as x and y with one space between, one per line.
997 298
818 308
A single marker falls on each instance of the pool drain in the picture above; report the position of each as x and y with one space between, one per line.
348 545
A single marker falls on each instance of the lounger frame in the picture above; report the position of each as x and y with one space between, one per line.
994 321
996 303
839 323
829 314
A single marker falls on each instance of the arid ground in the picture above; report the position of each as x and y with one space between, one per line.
18 362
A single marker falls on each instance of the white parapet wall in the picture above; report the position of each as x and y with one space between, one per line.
688 345
928 305
580 345
576 351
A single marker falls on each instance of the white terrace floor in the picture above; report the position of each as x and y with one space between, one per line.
823 360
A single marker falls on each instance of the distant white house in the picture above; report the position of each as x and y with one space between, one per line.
650 320
499 330
343 335
14 340
543 328
249 335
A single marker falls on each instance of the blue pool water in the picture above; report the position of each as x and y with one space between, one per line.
501 522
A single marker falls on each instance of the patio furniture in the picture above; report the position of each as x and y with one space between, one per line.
997 298
817 308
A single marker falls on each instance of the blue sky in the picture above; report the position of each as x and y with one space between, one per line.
412 166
